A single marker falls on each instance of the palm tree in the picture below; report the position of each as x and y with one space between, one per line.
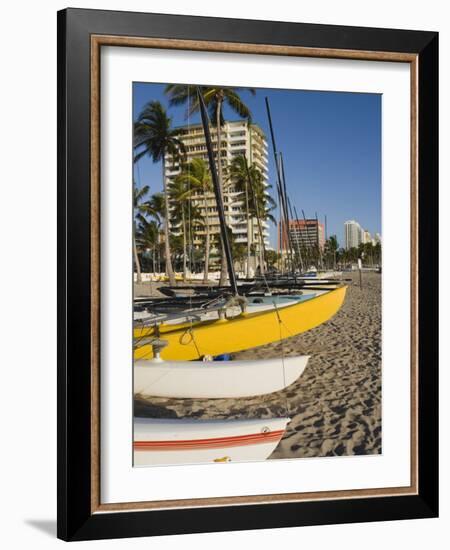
156 207
147 237
195 222
198 177
238 250
261 205
272 259
332 246
215 98
377 253
239 176
154 136
180 193
140 210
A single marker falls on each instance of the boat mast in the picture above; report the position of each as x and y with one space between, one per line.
283 205
288 201
258 218
288 217
305 250
311 244
288 212
318 243
299 253
279 228
217 192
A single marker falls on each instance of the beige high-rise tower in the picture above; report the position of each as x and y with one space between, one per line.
237 138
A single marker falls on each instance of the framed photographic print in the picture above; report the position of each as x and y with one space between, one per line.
248 292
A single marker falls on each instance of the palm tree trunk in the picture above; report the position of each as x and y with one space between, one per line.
249 236
136 261
252 232
206 269
184 246
223 258
261 256
159 253
261 240
169 269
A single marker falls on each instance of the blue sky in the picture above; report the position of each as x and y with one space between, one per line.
331 146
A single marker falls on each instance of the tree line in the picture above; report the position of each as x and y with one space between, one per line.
173 226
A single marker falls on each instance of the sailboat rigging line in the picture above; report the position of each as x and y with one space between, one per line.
279 227
189 232
289 214
217 192
189 167
311 244
306 248
279 181
190 331
297 246
258 217
283 176
286 403
318 244
280 321
286 214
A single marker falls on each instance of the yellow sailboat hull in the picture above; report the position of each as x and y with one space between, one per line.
248 330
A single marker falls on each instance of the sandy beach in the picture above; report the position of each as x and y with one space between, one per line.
335 406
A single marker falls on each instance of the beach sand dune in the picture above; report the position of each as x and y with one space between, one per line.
335 406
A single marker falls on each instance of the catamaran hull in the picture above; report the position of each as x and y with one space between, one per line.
253 306
165 442
216 379
243 332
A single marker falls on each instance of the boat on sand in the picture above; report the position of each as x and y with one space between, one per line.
216 379
194 340
186 441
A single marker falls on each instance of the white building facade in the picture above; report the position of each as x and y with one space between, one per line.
237 138
366 237
353 234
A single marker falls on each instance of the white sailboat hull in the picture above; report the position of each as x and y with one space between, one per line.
216 379
179 441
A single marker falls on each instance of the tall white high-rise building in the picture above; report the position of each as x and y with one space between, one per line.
237 138
353 234
366 237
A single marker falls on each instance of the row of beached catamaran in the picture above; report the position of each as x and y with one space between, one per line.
176 339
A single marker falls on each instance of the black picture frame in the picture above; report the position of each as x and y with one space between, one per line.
76 520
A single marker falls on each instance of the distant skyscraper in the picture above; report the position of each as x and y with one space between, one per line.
308 233
353 234
377 238
366 237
